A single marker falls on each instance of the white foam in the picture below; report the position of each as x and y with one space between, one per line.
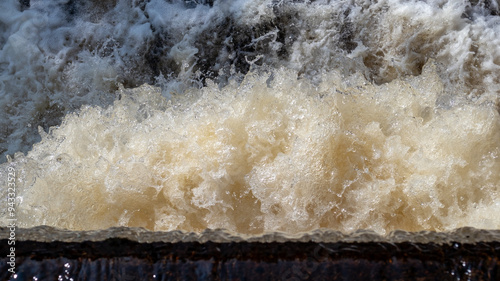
353 143
254 158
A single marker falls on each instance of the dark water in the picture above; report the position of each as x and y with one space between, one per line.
122 254
119 259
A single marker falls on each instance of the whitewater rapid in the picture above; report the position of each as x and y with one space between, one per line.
253 116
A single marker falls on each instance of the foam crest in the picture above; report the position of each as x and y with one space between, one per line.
57 56
274 153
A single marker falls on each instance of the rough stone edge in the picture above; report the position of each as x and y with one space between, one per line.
50 234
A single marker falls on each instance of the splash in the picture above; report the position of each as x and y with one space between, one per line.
57 56
272 153
253 116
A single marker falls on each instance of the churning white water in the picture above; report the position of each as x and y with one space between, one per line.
253 116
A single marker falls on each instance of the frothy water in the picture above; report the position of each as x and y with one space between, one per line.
253 116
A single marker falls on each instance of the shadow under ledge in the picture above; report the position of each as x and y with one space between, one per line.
46 253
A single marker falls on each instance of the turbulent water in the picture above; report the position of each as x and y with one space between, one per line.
253 116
